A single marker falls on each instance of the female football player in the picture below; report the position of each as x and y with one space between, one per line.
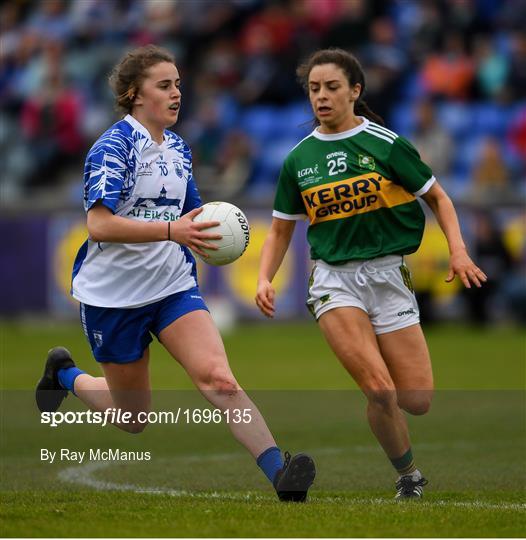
358 182
136 276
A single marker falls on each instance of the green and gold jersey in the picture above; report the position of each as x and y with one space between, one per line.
358 189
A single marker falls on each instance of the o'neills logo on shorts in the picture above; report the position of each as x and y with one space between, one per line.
353 196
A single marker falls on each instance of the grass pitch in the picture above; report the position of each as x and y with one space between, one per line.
200 483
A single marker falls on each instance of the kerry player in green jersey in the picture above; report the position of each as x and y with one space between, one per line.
358 182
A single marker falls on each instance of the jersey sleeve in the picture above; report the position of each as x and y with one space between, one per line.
288 203
105 172
192 199
408 169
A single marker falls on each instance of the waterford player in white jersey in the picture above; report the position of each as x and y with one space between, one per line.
135 275
357 183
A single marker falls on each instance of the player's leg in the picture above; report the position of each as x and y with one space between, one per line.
124 386
407 358
194 341
404 350
350 335
119 340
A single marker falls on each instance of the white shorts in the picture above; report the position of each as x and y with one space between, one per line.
380 287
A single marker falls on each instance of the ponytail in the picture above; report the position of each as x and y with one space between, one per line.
362 109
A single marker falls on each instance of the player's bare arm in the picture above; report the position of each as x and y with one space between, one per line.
104 226
460 263
272 254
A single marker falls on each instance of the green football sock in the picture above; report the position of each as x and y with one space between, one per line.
405 464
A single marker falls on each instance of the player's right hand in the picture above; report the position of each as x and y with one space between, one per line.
189 233
265 298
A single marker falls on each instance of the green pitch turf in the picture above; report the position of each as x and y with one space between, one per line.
199 482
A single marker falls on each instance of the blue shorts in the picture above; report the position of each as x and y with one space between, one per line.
121 335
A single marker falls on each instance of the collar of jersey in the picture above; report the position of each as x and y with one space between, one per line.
135 124
342 134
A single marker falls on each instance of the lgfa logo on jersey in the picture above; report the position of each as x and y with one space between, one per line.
366 162
144 169
308 170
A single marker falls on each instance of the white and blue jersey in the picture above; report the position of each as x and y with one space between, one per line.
138 179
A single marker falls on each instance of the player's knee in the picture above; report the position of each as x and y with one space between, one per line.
221 380
382 400
416 403
134 428
419 408
136 423
381 393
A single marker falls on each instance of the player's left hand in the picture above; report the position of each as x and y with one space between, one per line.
460 264
265 298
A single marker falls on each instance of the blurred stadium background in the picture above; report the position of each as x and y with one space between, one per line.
448 74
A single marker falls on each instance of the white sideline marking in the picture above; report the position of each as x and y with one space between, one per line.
83 475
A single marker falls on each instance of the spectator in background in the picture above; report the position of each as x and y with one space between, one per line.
467 17
432 141
222 63
206 132
9 34
265 43
51 21
517 74
160 22
51 122
222 157
512 15
15 65
491 178
243 53
450 72
423 23
351 28
226 171
517 136
385 64
491 252
311 21
235 164
318 15
492 69
514 287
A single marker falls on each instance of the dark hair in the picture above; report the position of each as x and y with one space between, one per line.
352 69
128 75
